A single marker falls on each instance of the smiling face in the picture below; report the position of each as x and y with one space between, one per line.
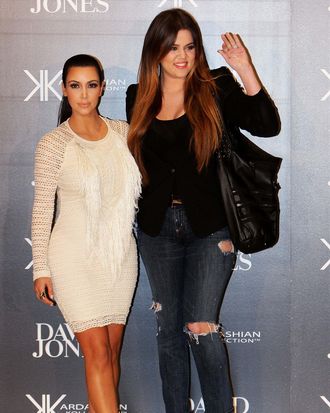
83 89
179 61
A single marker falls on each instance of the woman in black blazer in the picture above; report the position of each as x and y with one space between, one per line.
176 114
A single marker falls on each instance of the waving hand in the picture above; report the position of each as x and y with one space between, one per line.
238 58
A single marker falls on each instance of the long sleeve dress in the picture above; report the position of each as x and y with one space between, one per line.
90 253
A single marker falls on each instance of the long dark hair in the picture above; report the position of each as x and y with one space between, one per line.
79 60
200 88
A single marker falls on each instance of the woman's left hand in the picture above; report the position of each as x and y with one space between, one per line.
234 52
238 58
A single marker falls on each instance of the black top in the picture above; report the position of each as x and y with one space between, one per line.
172 167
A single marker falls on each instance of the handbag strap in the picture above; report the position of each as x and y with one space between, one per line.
226 143
227 139
225 83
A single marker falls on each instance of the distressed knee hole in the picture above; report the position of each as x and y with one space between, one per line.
202 328
156 306
226 246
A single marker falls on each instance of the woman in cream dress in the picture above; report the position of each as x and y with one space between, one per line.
87 263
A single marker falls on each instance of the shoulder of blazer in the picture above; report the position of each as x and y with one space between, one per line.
225 81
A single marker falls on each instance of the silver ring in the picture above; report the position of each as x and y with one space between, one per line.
42 295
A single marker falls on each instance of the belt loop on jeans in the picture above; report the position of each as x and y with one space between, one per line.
176 202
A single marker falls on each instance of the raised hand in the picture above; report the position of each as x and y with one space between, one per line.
234 52
238 58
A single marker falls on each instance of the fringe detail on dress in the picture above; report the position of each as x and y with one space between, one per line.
109 238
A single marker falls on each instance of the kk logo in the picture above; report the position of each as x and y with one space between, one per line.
326 401
177 3
45 406
325 97
43 85
31 262
328 262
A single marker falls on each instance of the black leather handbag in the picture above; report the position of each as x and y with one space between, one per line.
249 186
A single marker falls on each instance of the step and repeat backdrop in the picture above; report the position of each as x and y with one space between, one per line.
276 311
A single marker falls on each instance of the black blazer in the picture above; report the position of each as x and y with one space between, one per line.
200 191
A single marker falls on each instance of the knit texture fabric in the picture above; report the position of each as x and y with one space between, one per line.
90 253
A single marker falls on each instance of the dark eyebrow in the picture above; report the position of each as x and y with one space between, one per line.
188 44
94 80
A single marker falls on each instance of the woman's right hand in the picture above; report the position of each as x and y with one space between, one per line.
43 289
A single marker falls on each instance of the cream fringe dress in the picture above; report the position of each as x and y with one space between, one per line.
90 253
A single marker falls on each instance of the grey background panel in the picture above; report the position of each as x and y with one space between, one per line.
310 190
276 310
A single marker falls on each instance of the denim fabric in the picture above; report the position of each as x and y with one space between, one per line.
188 277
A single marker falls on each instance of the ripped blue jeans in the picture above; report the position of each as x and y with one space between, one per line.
188 276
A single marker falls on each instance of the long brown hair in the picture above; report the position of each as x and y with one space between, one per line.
200 88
